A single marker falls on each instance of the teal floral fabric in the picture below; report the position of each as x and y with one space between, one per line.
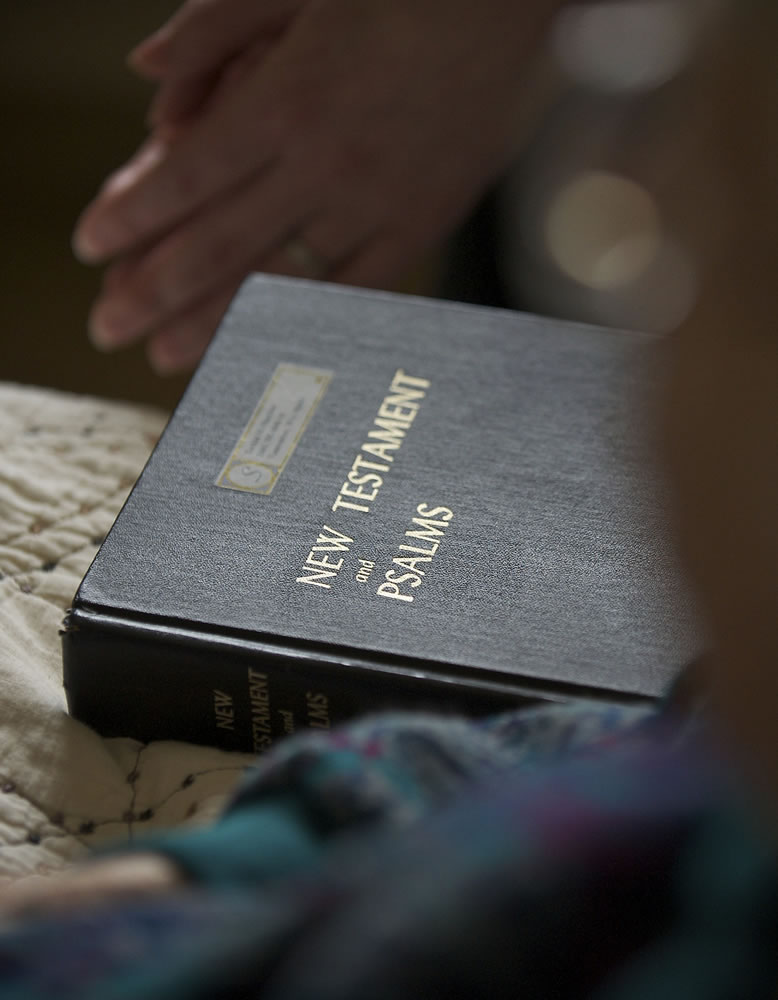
559 852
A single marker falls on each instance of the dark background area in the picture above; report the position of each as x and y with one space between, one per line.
71 112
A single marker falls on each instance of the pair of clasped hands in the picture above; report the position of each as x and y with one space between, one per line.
316 138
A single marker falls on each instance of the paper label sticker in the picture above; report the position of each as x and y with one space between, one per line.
276 425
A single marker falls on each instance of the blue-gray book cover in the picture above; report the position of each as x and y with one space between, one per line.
367 500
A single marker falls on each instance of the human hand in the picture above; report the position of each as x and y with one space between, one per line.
339 139
104 880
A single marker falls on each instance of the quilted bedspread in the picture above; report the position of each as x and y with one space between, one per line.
66 466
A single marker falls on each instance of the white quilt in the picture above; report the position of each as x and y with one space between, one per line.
66 466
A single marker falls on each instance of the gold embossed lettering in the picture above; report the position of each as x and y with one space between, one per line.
223 710
318 568
388 589
428 528
323 561
396 411
259 699
317 710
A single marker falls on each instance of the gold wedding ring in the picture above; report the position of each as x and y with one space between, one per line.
305 259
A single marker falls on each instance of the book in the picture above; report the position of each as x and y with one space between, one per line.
366 501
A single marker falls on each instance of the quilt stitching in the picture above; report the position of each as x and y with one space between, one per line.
61 521
65 516
79 827
23 575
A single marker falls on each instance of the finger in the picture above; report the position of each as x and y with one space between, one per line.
202 34
166 181
221 241
115 279
180 343
180 98
101 231
319 248
89 884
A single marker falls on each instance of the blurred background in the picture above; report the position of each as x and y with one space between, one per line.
71 112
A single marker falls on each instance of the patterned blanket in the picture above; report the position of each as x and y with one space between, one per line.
66 466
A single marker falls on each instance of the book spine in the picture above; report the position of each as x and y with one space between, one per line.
152 682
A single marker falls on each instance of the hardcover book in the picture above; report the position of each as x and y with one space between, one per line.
367 500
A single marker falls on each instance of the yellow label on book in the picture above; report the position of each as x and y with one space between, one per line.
276 425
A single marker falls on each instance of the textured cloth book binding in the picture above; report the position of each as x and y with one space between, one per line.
367 500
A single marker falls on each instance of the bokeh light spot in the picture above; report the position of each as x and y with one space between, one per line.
622 46
603 230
